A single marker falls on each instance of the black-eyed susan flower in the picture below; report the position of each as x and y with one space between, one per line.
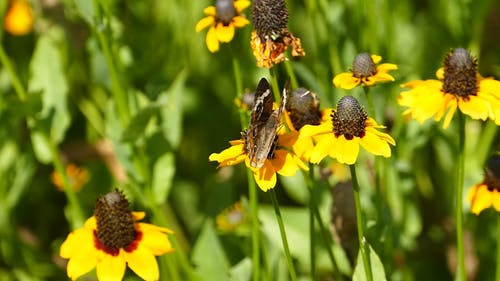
19 18
279 160
348 128
302 109
77 177
271 37
365 71
222 19
112 239
487 193
459 86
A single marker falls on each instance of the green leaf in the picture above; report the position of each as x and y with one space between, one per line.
242 271
138 124
171 112
378 272
86 10
48 76
209 257
163 174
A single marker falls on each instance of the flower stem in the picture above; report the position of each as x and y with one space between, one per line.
14 79
119 94
277 212
459 188
274 83
254 213
312 240
363 246
291 74
497 273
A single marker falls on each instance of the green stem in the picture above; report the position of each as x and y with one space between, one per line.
14 79
254 213
369 100
289 70
119 94
274 84
76 218
291 268
459 188
497 273
363 245
312 240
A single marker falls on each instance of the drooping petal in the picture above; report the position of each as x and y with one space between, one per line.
475 107
79 248
322 148
211 40
285 163
346 81
345 151
229 156
156 241
240 21
225 33
480 198
204 23
376 58
374 144
265 177
111 268
316 130
138 215
143 263
241 5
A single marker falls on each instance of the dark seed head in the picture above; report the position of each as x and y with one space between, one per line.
115 224
460 74
303 108
270 18
349 119
363 66
225 11
492 174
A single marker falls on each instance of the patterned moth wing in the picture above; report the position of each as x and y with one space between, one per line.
264 122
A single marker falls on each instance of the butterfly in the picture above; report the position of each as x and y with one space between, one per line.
264 122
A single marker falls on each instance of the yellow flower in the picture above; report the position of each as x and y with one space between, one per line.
348 128
365 71
487 193
19 18
233 218
222 19
77 177
112 239
280 160
459 86
271 38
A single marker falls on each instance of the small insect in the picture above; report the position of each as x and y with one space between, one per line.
264 122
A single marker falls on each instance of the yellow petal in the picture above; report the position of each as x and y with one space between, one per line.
156 241
210 11
225 33
480 199
345 151
240 21
440 73
284 163
211 40
229 156
143 263
375 145
111 268
345 80
79 248
138 215
19 18
204 23
90 223
315 130
386 67
376 58
475 107
322 148
241 5
265 177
